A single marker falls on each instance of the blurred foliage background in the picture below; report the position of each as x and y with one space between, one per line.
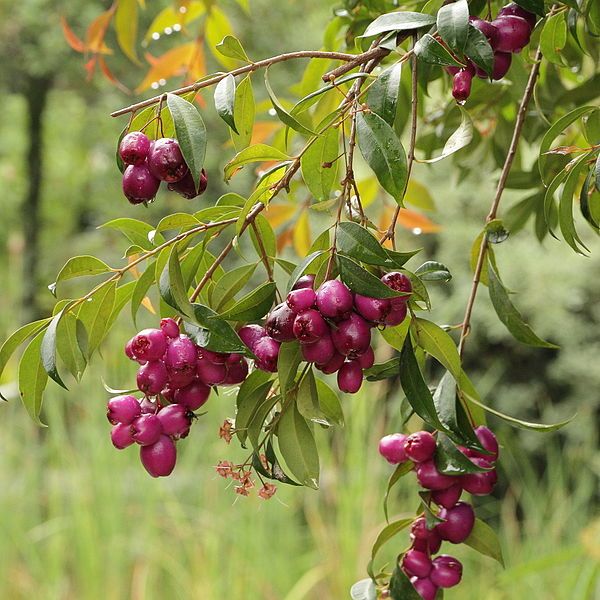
79 520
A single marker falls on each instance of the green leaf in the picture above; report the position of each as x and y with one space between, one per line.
453 24
387 533
554 38
243 114
302 268
382 97
68 344
400 471
589 200
257 420
396 335
177 221
135 231
191 134
254 305
251 395
231 47
298 447
390 368
255 153
32 379
312 98
171 286
357 242
451 461
400 586
433 271
319 164
95 314
484 539
214 333
230 284
126 27
534 6
398 21
459 139
48 348
363 590
361 281
437 342
81 266
225 101
383 152
290 357
508 313
142 285
478 49
415 388
430 51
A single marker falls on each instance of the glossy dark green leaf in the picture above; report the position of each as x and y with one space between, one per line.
251 395
382 97
256 423
302 268
171 286
32 378
384 153
430 51
48 348
191 133
400 586
320 165
478 50
534 6
225 100
361 281
398 21
358 242
453 24
433 271
290 357
485 540
386 370
451 461
214 333
254 305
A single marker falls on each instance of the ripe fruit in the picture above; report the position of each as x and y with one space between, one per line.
458 522
320 352
350 377
367 359
193 396
489 442
448 497
516 11
175 420
399 282
334 364
352 336
446 572
165 160
146 430
302 299
211 373
266 351
430 478
237 371
490 31
134 147
416 563
170 328
420 446
152 377
391 447
334 299
159 458
187 188
427 590
480 484
181 353
149 344
461 85
280 323
513 33
306 281
396 315
139 185
120 436
250 334
309 326
502 62
372 309
123 409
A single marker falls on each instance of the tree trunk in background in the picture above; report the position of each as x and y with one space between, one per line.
36 96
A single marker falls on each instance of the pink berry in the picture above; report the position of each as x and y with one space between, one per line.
416 563
211 373
430 478
280 323
152 377
179 378
217 358
448 497
446 571
159 458
236 372
146 430
334 299
181 353
391 447
123 409
426 589
461 86
186 186
148 407
250 334
139 185
489 441
490 31
420 446
399 282
396 315
134 147
170 328
309 326
149 344
374 310
175 420
306 281
480 484
165 160
300 300
193 396
424 539
266 351
513 33
350 377
120 436
320 352
334 365
352 336
458 522
129 350
367 359
514 10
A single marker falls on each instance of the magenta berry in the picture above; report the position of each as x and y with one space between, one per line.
458 522
334 364
266 351
430 478
320 352
236 372
489 442
430 546
502 62
159 459
396 315
120 436
302 299
211 373
416 563
139 185
129 350
420 446
152 377
186 186
179 378
193 396
250 334
309 326
446 571
461 85
134 148
399 282
181 353
513 33
217 358
367 359
391 447
352 336
426 589
482 483
306 281
175 420
490 31
123 409
350 377
372 309
165 160
149 344
514 10
148 407
334 299
448 497
170 328
280 323
146 429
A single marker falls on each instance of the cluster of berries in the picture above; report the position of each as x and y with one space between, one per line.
332 324
175 376
508 33
151 161
457 518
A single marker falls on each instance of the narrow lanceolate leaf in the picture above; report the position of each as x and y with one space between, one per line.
225 101
478 49
32 378
453 24
95 314
68 345
252 306
589 200
288 362
171 286
437 342
459 139
508 313
384 153
319 164
213 332
429 50
81 266
229 285
398 21
554 38
251 395
191 133
359 243
17 338
126 26
284 116
382 97
485 540
451 461
243 114
400 586
401 470
231 47
48 348
387 533
361 281
142 285
303 266
298 447
252 154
